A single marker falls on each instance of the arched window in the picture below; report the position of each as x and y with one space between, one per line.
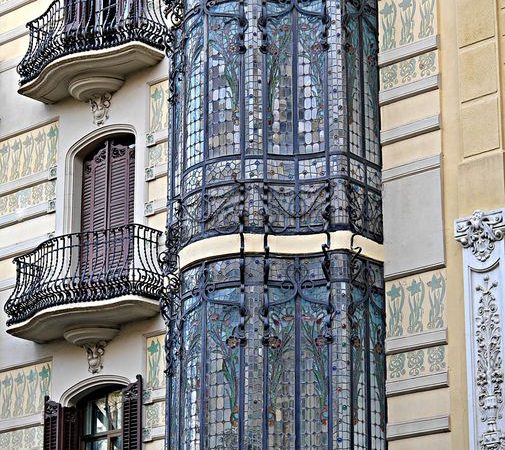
108 183
101 415
104 418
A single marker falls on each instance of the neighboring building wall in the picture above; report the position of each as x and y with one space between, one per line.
416 293
36 142
442 137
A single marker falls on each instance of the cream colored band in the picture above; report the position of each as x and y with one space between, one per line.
280 245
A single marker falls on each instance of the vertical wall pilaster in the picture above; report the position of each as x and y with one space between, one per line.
481 236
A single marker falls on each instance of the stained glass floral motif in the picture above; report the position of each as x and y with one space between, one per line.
274 128
285 361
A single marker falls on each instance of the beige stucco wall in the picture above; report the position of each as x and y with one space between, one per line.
137 106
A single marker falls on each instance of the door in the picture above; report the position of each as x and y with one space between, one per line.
107 209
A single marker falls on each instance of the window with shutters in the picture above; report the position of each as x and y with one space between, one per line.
102 420
109 418
107 209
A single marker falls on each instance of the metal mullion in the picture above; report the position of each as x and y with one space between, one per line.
298 346
294 107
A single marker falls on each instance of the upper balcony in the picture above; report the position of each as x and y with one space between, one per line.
86 281
87 47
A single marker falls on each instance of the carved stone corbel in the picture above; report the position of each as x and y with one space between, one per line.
100 104
95 353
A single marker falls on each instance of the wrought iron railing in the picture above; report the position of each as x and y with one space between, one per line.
72 26
85 267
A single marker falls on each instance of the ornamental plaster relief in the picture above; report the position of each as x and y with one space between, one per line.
481 236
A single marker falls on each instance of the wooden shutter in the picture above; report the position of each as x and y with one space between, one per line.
52 425
132 415
120 201
70 429
61 427
94 213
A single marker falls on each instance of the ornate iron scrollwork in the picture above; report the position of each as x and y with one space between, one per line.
269 134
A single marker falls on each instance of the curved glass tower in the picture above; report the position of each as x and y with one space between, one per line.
275 316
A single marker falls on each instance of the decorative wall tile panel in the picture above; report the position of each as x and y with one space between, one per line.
31 196
155 362
481 236
417 363
416 304
22 439
28 153
158 107
22 390
403 22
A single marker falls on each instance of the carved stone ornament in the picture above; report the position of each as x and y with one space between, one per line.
480 232
95 354
489 377
100 104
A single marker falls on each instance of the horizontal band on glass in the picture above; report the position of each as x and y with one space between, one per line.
289 245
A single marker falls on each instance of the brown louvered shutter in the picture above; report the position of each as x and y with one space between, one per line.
132 415
120 207
94 212
61 427
70 428
52 425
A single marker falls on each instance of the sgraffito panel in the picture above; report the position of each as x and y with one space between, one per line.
155 376
403 22
157 154
28 153
409 70
23 439
417 363
30 196
416 304
22 390
158 107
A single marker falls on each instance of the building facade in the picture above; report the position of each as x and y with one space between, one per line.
251 225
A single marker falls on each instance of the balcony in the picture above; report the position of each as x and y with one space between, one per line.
84 48
86 281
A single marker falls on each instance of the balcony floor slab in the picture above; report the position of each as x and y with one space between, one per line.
57 80
52 323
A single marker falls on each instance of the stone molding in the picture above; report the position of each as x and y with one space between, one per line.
156 137
11 251
410 130
416 341
417 384
11 35
412 168
409 90
27 213
154 172
419 427
21 422
12 5
154 207
28 181
73 394
7 283
408 51
481 236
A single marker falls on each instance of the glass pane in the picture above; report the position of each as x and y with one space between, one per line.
99 416
114 407
117 443
97 445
